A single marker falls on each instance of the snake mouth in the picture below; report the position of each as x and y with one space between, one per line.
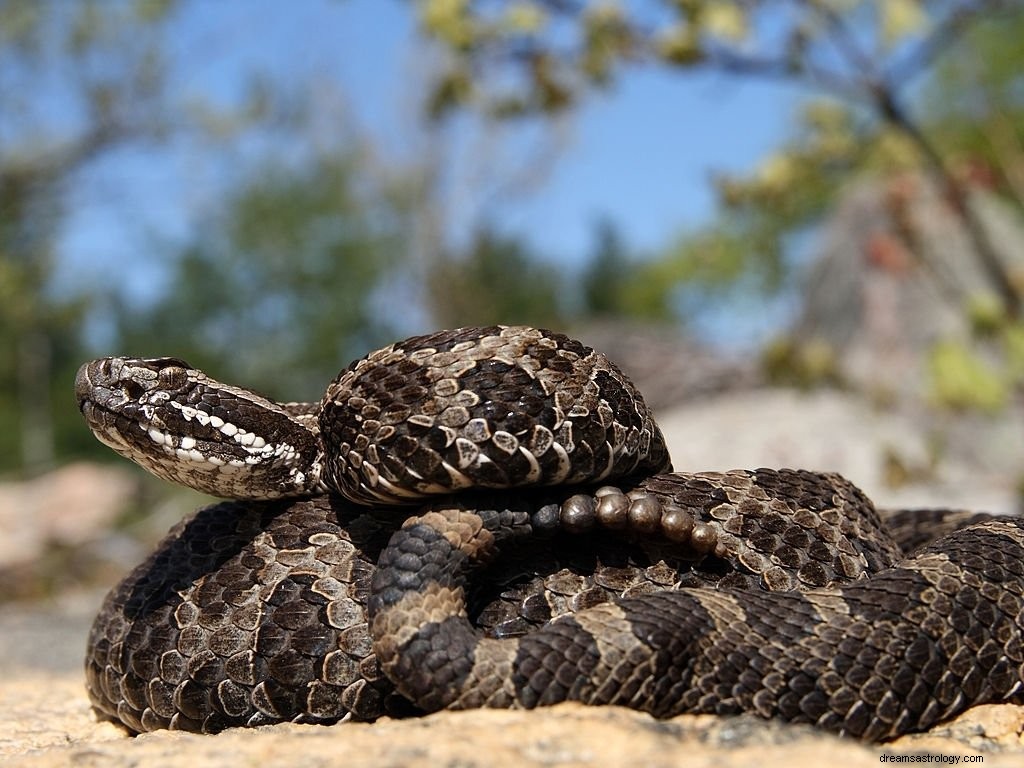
96 416
83 388
108 426
97 386
113 404
98 402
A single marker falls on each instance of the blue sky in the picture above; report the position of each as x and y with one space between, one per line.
641 153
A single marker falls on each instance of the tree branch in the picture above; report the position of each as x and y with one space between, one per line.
987 255
843 39
783 69
944 35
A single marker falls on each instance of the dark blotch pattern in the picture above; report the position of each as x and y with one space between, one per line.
496 407
255 612
844 633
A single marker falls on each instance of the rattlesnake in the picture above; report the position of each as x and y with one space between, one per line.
270 608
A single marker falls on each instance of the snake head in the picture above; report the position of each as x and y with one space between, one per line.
186 427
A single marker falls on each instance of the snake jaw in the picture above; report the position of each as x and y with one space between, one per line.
185 427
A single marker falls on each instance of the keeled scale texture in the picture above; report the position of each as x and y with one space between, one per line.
494 407
247 613
254 612
893 652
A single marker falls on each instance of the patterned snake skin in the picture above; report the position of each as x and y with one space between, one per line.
777 592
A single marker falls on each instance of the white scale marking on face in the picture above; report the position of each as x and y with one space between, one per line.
258 449
187 412
158 437
241 436
190 455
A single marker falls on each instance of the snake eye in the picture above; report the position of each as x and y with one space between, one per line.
172 377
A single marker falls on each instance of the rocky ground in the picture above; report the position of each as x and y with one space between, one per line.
45 719
45 722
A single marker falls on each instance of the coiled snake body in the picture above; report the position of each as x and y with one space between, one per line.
777 592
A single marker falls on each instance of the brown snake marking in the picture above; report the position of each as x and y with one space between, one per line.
256 611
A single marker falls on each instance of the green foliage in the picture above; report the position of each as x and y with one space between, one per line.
532 55
1013 339
976 103
983 371
861 53
283 279
962 379
290 273
498 280
794 185
606 274
101 61
803 365
701 267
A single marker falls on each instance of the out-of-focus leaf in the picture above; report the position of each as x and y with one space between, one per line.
606 39
88 24
524 18
804 365
551 93
449 91
149 11
776 172
961 379
20 21
448 20
725 19
985 314
899 19
680 45
1014 339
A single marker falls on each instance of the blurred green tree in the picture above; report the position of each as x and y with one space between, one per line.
974 105
606 272
103 63
279 291
497 279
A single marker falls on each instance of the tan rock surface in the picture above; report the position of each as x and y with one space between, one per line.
45 722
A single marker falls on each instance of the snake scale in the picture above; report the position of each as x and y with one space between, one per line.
488 517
